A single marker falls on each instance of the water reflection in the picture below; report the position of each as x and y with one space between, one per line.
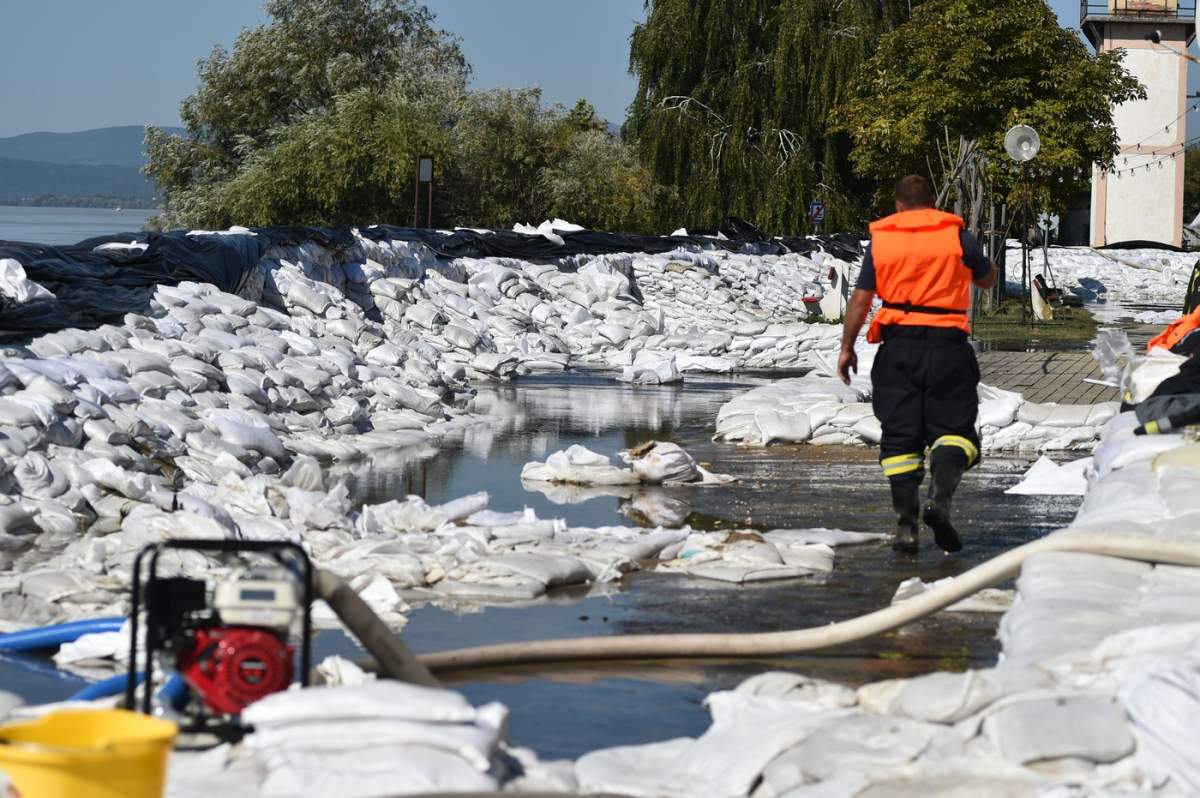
530 419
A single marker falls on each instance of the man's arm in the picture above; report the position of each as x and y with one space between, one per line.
983 273
856 314
988 280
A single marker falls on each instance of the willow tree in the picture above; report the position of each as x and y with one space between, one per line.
734 100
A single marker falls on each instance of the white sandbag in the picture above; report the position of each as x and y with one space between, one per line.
16 414
579 466
998 412
245 430
1036 731
1159 365
383 699
306 297
1163 704
38 478
1046 478
15 285
658 462
651 369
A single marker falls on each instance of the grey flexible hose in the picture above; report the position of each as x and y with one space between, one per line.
394 658
726 646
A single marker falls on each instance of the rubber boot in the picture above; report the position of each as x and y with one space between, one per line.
947 471
906 499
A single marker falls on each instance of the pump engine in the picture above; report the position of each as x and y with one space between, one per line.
231 642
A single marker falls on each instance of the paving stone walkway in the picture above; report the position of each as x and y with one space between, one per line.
1047 376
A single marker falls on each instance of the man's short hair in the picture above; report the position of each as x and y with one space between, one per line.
915 191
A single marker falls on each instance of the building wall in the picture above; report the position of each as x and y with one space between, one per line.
1146 204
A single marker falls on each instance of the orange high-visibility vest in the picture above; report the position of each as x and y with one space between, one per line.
919 272
1176 331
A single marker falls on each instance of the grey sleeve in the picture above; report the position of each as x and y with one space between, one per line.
974 256
866 274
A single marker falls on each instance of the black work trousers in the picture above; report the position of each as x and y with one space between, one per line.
925 394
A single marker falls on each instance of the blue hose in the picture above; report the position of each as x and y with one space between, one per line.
173 691
111 686
47 637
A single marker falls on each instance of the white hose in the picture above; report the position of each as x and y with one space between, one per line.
723 646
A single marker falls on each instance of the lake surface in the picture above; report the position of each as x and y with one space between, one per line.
67 225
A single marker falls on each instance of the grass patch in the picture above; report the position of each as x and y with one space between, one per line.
1005 325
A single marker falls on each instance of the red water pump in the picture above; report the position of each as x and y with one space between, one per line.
231 668
230 642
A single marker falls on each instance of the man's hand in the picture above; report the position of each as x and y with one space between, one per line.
847 362
856 314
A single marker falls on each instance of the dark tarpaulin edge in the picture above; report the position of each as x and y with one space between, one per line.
95 286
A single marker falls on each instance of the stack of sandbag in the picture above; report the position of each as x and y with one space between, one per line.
370 740
820 410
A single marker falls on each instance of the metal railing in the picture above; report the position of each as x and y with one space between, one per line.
1145 10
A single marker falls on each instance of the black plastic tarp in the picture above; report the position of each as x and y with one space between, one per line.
94 286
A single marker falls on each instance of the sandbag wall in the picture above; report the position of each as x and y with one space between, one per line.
818 409
213 413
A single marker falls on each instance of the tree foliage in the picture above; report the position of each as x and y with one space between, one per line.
971 69
598 182
352 165
289 79
318 117
312 52
734 98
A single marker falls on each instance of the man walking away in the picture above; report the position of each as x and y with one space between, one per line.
924 382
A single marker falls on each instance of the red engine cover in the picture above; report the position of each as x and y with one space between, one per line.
231 668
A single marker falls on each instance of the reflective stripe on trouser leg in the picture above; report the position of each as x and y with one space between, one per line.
959 442
902 464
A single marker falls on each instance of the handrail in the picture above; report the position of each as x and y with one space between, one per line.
1138 9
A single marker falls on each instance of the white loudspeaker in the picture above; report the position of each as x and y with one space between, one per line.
1022 143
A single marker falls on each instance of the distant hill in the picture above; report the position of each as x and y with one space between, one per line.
106 146
91 167
22 181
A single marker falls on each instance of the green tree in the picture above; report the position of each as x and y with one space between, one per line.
598 182
353 165
500 140
317 118
734 98
964 71
286 73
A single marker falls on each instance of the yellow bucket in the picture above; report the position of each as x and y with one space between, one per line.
87 754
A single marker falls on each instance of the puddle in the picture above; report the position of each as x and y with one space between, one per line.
563 713
537 416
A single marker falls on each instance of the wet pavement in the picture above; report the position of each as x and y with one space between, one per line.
1055 376
563 713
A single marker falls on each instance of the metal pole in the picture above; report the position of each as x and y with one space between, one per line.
416 189
1002 250
429 206
994 254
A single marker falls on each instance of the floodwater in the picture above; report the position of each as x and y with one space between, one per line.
565 712
67 225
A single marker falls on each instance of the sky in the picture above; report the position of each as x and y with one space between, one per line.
80 64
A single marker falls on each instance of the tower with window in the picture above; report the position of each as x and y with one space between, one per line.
1141 198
